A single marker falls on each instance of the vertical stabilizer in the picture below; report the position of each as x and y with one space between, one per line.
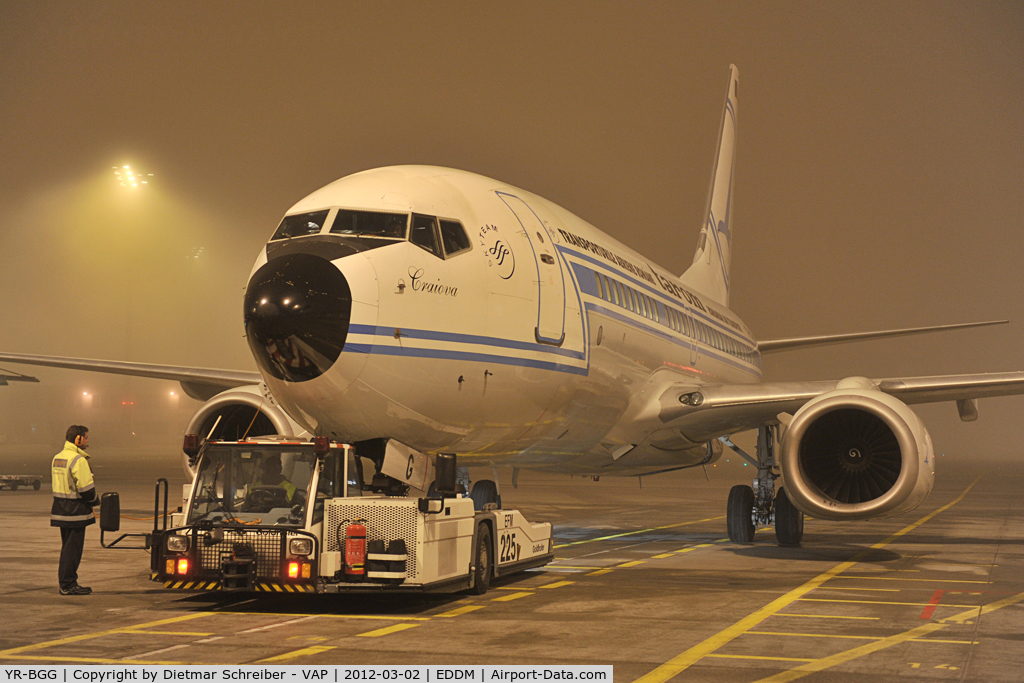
709 273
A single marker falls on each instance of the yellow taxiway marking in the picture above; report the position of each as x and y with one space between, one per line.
599 572
557 584
774 659
684 660
554 565
822 616
914 634
630 564
878 602
315 649
166 633
460 610
662 556
6 654
896 578
829 635
691 548
639 531
306 638
375 617
386 630
511 596
851 588
89 660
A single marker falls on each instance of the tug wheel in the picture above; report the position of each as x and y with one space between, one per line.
482 557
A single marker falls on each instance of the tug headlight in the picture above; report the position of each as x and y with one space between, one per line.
300 546
177 544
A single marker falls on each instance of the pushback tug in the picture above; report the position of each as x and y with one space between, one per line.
298 516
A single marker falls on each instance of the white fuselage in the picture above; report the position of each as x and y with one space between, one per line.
532 348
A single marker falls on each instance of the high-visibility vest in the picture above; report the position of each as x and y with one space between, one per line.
74 491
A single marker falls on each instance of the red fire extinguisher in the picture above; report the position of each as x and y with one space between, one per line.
355 551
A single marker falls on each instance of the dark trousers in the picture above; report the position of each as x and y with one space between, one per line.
72 543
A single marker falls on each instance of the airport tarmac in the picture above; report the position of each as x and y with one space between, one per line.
645 580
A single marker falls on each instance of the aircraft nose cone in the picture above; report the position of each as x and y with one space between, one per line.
297 310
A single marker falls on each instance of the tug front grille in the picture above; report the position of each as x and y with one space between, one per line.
265 546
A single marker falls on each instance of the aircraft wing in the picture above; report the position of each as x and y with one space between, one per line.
774 345
8 376
706 412
199 383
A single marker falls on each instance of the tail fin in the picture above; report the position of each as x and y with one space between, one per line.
709 273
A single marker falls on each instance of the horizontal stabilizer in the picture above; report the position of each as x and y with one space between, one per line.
773 345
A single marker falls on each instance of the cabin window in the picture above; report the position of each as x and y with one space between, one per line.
301 224
424 234
618 294
454 238
370 224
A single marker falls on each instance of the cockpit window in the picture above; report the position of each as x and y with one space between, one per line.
301 224
370 224
453 237
424 234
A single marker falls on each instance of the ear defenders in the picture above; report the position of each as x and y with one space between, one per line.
78 440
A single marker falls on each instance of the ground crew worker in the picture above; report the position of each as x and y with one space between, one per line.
270 475
74 495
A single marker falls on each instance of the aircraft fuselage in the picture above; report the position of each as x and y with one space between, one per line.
530 340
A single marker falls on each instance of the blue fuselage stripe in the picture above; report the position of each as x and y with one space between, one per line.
447 354
695 312
433 335
662 296
704 350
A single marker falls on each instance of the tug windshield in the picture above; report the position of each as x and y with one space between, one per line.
253 484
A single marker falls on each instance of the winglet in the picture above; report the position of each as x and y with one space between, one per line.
709 273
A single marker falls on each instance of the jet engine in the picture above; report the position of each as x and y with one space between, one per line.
238 413
855 453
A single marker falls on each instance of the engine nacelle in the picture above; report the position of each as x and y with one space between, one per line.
855 453
243 411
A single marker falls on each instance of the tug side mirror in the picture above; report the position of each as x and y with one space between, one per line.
110 512
445 474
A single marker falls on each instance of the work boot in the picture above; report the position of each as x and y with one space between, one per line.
76 590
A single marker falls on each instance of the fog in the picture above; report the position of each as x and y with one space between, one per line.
879 175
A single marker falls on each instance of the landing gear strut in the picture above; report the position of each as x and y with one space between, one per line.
755 507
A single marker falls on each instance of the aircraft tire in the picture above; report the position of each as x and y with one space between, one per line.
739 514
482 561
789 522
484 491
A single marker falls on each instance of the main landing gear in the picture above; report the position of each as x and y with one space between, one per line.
759 506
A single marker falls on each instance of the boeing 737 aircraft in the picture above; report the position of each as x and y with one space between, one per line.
441 311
